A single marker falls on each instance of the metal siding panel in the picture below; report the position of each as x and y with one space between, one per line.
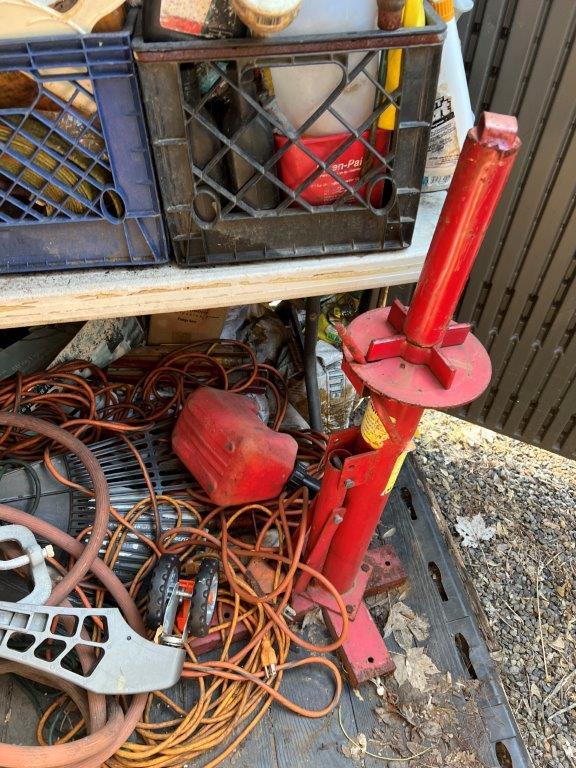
524 29
472 29
465 25
568 447
539 262
527 209
561 370
485 49
523 289
532 115
565 414
557 366
529 342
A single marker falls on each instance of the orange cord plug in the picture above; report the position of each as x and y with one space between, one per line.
268 658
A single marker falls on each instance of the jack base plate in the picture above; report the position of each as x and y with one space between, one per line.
364 653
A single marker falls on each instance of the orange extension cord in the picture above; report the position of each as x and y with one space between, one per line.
233 693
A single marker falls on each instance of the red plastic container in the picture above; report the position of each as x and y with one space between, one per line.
234 456
295 166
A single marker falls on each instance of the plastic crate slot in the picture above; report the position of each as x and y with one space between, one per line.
463 648
436 576
64 626
407 499
50 649
88 628
503 755
71 660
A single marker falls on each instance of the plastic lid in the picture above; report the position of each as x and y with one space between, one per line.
444 9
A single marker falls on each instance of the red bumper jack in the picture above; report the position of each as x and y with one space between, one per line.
406 360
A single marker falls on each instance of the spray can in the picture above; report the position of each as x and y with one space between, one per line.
453 116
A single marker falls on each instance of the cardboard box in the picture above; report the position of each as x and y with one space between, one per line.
185 327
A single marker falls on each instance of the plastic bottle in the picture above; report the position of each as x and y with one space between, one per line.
264 17
301 90
255 140
462 6
453 116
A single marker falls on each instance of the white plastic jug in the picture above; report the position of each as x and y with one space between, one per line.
300 90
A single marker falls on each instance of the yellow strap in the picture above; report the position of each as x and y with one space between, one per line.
414 16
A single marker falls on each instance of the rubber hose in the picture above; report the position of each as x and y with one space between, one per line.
75 548
101 495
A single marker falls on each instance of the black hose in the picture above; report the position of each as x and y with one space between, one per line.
310 376
10 464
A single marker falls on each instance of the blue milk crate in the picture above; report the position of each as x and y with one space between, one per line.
77 183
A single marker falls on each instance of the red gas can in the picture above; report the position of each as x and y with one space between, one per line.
234 456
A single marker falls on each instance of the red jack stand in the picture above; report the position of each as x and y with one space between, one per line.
406 360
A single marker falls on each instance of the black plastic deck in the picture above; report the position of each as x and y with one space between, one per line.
285 740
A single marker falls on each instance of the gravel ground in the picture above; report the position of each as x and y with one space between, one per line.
525 575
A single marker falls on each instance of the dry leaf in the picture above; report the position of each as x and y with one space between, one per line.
559 644
389 717
313 617
414 668
355 750
461 760
501 529
352 752
405 626
474 530
379 685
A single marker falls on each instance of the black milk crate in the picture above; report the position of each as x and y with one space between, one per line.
77 184
239 183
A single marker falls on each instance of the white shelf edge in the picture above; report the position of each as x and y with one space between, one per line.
88 294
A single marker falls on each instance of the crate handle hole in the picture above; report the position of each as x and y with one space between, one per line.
381 194
112 206
503 756
206 207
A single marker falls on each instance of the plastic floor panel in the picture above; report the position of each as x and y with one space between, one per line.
284 740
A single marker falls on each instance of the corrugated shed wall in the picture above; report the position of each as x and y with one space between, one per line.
521 59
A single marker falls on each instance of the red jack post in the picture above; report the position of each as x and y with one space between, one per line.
406 360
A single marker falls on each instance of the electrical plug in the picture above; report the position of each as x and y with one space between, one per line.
268 658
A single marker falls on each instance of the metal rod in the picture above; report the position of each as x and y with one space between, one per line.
482 171
310 376
481 174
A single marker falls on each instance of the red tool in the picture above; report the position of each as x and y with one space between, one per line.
405 360
235 457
